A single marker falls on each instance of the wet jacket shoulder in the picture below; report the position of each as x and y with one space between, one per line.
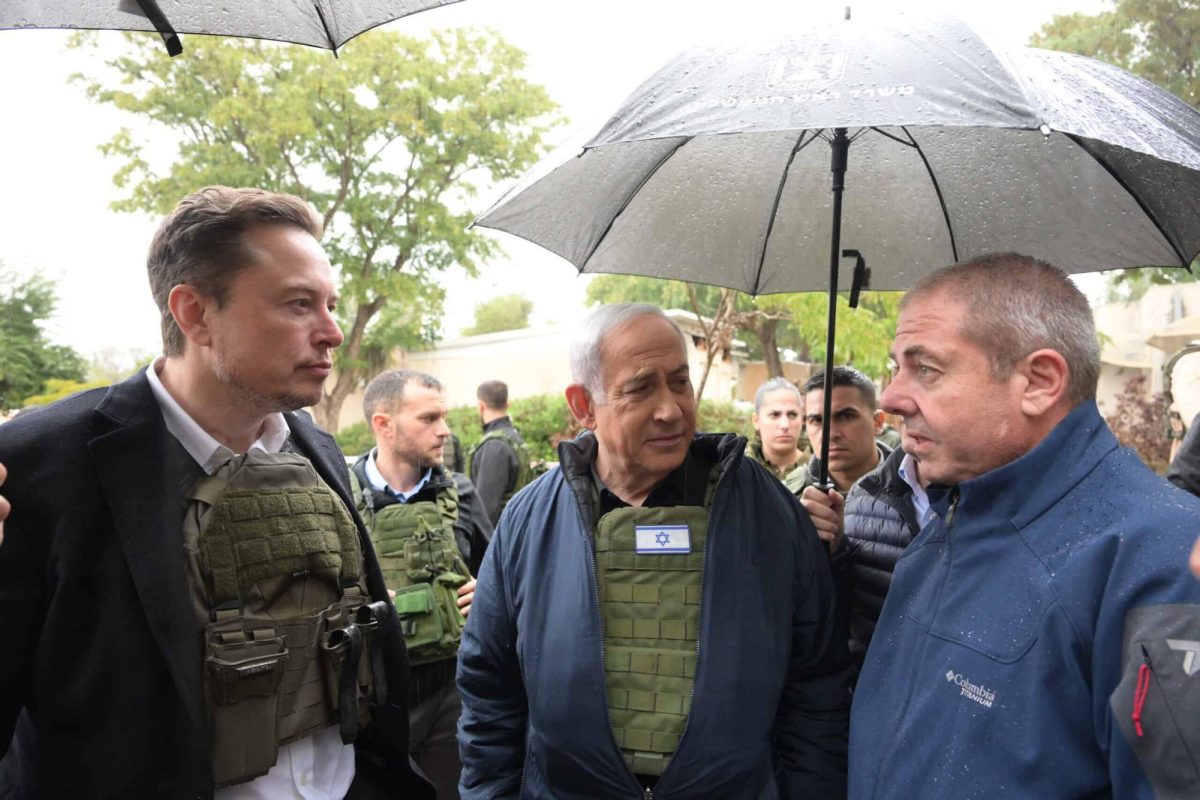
768 716
1029 612
880 522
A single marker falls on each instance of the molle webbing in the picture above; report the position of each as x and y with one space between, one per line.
291 645
419 555
651 610
257 534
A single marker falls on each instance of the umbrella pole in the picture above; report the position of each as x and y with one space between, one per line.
840 146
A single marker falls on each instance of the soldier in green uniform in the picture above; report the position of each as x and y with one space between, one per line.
655 616
189 605
778 421
430 530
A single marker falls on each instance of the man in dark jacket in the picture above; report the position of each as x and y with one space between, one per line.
885 509
430 531
1184 471
131 581
1039 637
654 617
500 462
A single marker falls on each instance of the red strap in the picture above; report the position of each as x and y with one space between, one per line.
1139 697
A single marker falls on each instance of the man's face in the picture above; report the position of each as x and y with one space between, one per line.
416 432
647 422
852 451
272 343
779 421
959 421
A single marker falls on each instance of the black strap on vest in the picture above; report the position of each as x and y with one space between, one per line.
369 618
351 639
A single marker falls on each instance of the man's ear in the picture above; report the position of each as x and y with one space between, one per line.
190 308
381 424
580 403
878 419
1046 377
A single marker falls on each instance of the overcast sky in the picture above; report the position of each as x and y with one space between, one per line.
54 215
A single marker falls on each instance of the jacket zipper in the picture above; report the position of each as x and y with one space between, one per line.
687 723
953 508
590 545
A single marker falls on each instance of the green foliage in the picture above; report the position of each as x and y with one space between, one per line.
544 420
57 388
508 312
864 335
1158 40
355 439
27 358
715 416
391 143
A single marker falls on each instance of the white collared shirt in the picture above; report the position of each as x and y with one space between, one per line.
920 500
318 767
380 484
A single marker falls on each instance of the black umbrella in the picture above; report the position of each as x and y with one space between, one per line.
318 23
715 169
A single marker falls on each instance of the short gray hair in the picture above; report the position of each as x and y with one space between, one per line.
386 390
587 365
1015 305
774 385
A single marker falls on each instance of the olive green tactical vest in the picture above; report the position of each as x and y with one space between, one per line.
421 562
651 610
524 463
290 641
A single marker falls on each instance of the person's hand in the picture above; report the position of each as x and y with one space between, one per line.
466 593
4 506
827 511
1194 561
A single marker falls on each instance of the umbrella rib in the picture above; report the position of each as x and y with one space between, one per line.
629 199
762 256
937 187
325 25
1185 261
895 138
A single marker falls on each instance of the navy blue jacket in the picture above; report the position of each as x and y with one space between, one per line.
1007 660
768 718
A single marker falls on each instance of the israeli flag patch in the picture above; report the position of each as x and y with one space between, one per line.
668 539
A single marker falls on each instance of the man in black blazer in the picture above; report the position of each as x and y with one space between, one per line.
98 620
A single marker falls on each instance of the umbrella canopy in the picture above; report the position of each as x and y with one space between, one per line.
715 170
318 23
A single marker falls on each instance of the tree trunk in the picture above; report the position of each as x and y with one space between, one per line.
766 337
713 336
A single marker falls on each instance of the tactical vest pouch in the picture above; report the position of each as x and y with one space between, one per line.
243 677
430 619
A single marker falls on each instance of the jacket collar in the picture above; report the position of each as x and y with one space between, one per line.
1026 487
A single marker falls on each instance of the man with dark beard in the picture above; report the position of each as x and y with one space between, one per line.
430 530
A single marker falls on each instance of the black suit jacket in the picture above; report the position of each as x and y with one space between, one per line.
98 636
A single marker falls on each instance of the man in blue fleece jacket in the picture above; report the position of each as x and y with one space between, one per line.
1040 639
654 617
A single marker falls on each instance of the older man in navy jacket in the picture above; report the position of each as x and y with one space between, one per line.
654 617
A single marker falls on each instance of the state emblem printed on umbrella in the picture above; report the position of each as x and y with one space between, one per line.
809 71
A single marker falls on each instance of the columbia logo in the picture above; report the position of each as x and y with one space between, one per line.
972 691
